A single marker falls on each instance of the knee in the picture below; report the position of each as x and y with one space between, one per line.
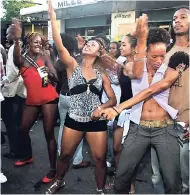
117 149
65 157
98 158
49 136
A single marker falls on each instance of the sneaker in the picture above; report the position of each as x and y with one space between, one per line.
55 186
3 178
99 191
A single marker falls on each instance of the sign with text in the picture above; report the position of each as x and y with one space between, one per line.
71 3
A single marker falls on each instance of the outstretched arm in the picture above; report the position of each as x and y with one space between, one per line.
140 51
170 77
14 33
64 55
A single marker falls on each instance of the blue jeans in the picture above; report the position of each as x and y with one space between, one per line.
184 167
63 106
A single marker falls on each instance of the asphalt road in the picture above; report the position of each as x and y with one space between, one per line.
80 181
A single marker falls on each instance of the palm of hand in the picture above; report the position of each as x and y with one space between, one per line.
141 26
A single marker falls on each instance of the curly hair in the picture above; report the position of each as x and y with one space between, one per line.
177 58
157 35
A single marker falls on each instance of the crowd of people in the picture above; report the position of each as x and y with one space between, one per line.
136 90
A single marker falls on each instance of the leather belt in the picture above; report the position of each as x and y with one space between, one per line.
154 124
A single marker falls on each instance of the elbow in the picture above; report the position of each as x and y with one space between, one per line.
137 75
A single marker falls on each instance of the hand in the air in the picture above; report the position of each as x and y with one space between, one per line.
80 41
141 27
14 31
51 10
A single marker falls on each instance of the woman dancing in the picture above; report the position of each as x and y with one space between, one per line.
38 74
86 82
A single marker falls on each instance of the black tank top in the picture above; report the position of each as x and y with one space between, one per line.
125 84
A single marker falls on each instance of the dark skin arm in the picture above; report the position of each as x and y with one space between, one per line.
52 74
111 98
17 57
14 33
170 77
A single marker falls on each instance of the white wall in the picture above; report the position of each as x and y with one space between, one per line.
121 19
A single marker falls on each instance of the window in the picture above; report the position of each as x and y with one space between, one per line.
96 30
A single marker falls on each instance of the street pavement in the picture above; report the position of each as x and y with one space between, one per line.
78 181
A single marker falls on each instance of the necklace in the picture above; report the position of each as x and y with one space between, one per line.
151 74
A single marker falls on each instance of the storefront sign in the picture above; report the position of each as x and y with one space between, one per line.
68 3
72 3
119 15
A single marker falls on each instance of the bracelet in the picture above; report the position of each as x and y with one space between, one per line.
114 108
139 52
140 59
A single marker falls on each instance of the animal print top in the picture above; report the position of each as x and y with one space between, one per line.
85 95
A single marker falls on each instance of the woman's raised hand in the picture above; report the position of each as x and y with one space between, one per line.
80 41
14 31
141 27
51 10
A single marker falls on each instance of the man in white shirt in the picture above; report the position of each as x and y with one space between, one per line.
14 93
3 178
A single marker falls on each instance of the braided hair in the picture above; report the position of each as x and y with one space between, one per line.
27 40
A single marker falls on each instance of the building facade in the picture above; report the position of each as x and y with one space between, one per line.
113 18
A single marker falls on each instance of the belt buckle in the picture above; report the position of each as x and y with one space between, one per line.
149 124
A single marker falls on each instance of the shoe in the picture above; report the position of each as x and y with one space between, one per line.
12 155
83 164
50 176
99 191
21 163
55 186
3 178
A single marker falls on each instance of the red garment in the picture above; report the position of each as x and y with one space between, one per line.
36 94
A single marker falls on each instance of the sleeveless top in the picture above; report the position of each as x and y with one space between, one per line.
84 95
36 94
125 84
162 98
113 76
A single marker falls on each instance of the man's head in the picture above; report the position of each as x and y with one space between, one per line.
181 21
157 42
68 42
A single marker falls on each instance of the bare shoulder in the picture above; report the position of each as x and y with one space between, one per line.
172 73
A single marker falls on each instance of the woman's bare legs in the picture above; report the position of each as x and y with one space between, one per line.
98 146
48 116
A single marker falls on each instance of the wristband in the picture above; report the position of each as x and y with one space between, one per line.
114 108
140 52
140 59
